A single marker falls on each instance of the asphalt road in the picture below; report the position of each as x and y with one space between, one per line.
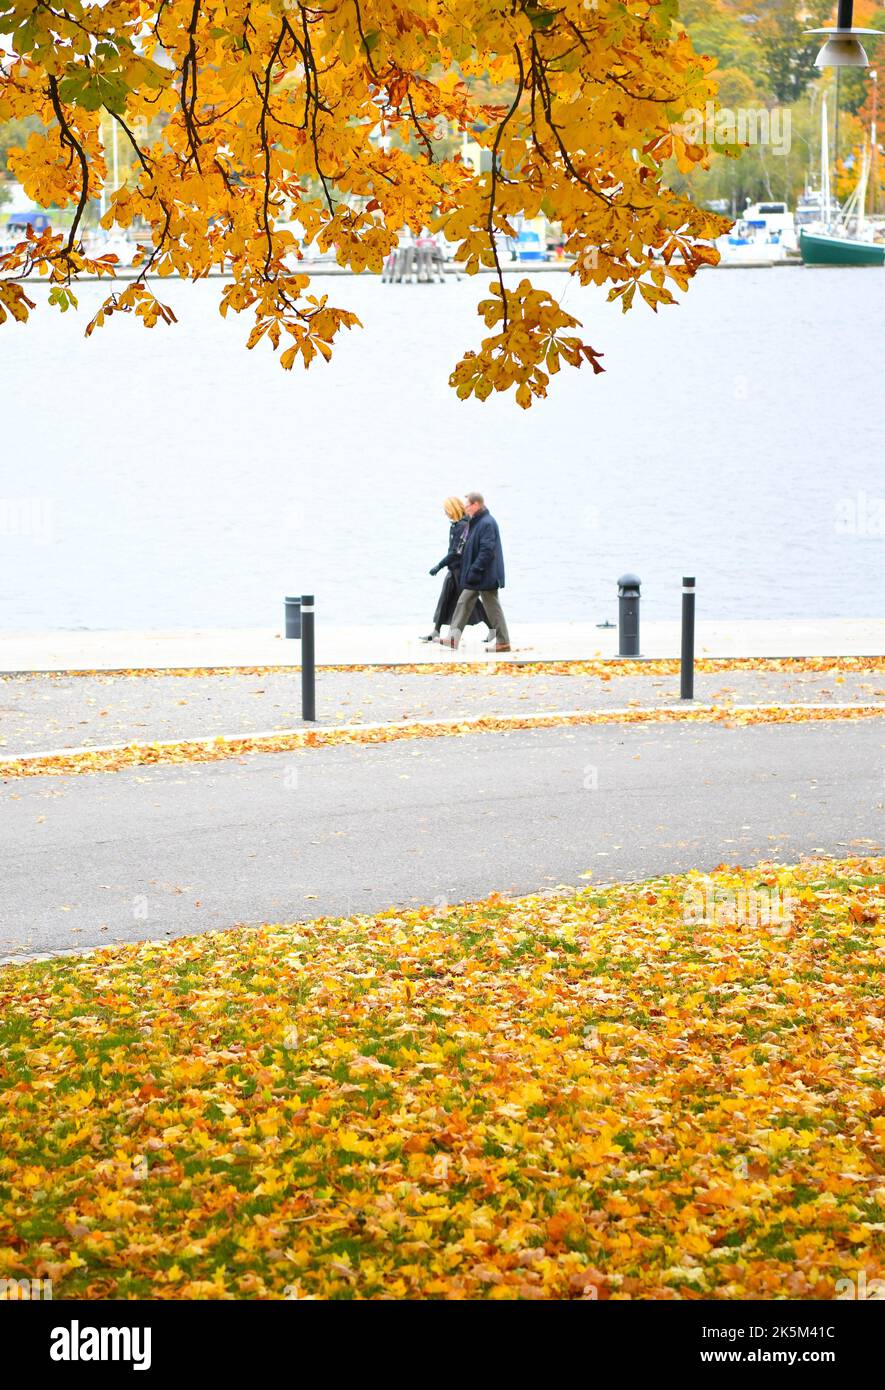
164 851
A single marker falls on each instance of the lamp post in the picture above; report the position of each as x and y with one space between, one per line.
843 48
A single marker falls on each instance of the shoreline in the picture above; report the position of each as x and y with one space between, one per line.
331 268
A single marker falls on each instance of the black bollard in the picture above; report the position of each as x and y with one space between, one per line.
308 666
686 674
293 617
628 615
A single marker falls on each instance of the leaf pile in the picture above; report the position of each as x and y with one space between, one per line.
117 757
604 667
566 1096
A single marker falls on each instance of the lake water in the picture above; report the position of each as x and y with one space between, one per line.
169 478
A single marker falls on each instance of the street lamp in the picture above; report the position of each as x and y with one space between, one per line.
843 48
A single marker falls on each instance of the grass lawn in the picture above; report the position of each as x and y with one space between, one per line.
632 1092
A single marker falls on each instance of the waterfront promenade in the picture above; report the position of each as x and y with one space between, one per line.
400 645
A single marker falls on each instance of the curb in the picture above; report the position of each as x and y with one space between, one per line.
218 747
648 665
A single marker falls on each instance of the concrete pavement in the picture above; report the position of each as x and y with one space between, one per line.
109 651
170 850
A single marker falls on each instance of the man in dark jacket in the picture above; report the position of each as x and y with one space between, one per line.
482 575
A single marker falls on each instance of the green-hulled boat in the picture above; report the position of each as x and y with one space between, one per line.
821 248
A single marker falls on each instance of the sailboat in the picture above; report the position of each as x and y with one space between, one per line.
827 248
830 243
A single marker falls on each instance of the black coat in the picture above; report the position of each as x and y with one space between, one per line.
457 537
451 562
482 559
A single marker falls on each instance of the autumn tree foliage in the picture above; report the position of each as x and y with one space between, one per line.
247 115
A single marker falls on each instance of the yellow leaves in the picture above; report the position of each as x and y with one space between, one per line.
348 131
752 1081
531 333
373 1159
655 295
137 299
80 1099
310 321
593 1152
351 1143
14 302
113 759
43 170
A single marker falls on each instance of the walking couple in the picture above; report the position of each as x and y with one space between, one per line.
474 569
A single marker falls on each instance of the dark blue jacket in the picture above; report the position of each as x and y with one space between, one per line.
482 559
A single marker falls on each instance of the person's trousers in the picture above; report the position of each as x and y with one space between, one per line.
494 613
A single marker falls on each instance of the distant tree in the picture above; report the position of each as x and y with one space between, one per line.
855 84
15 133
765 59
786 55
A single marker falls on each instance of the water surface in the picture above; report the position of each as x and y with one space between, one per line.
177 480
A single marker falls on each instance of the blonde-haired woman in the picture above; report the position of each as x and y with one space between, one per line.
451 563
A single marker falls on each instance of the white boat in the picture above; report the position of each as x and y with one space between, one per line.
774 220
764 233
812 209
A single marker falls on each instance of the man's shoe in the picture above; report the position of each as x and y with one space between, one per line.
431 637
448 642
498 647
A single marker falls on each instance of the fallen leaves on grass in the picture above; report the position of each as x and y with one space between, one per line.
121 756
602 1094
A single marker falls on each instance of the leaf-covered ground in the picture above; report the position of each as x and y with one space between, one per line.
55 712
606 668
116 757
591 1095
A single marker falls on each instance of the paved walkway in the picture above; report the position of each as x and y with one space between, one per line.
165 851
108 651
41 713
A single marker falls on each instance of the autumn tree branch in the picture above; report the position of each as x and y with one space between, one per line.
75 147
490 223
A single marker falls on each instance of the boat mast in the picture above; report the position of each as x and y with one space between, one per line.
844 20
824 163
874 148
836 149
